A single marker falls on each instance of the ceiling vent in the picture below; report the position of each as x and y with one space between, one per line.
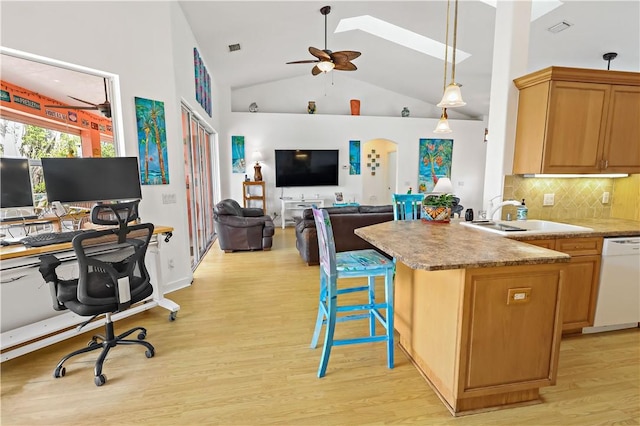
234 47
560 26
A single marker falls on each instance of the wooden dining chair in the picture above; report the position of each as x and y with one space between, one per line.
350 264
407 206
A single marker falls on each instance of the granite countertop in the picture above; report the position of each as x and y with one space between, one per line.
434 247
414 243
609 227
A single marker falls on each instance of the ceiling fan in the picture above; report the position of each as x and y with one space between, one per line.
104 108
328 60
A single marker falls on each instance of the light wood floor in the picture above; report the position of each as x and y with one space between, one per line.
239 354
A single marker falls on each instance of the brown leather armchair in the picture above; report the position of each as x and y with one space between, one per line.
241 228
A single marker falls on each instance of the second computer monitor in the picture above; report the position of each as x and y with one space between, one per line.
15 183
71 180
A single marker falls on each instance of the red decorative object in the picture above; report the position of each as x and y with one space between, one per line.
355 106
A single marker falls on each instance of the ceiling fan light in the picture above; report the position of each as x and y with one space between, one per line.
443 124
325 66
452 97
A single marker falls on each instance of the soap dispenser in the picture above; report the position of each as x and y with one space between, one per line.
522 211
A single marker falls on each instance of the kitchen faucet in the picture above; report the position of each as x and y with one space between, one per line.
502 204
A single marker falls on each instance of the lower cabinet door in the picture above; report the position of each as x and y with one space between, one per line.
580 291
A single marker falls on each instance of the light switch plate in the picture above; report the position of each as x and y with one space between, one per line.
605 197
548 200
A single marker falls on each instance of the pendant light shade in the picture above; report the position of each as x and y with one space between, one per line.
452 97
325 66
443 123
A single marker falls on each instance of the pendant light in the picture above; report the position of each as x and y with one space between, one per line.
443 123
452 96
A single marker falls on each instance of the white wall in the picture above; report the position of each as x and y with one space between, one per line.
150 46
331 93
266 132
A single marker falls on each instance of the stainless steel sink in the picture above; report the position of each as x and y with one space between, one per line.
504 227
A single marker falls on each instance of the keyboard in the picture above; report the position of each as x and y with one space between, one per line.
48 238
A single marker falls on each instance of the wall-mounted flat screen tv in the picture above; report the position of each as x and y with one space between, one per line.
306 167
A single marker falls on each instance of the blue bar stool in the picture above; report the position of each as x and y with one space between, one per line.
407 206
350 264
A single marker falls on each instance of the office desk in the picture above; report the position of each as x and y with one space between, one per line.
29 321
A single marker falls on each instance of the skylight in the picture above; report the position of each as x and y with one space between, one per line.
398 35
538 7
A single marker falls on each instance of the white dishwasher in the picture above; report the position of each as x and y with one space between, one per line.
618 304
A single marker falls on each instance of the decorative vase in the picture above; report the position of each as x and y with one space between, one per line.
405 112
311 108
436 214
355 106
253 107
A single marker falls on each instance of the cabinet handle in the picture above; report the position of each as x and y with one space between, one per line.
606 163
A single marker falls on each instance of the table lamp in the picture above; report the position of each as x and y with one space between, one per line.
443 186
257 168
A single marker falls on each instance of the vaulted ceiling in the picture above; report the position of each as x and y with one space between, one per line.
273 33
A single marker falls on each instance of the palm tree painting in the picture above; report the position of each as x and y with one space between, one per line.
237 154
434 162
354 157
152 142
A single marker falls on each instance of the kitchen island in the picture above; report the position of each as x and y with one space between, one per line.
479 315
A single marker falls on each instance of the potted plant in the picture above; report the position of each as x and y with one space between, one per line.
436 208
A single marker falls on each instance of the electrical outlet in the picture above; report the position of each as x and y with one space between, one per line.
605 197
548 200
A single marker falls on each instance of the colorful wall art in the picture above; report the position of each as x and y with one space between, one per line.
238 164
203 82
434 162
354 157
152 142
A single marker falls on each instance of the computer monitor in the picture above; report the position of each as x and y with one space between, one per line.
71 180
15 182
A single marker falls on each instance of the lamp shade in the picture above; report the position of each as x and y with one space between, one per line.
452 97
443 124
325 66
443 186
256 156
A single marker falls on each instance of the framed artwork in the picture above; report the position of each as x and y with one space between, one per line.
373 161
354 157
434 162
203 82
338 198
152 142
238 164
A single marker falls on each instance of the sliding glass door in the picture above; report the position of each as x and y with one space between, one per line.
199 162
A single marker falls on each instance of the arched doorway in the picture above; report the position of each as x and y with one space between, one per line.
379 171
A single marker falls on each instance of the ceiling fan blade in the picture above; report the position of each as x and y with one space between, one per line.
308 61
350 55
345 66
90 103
316 70
320 54
70 107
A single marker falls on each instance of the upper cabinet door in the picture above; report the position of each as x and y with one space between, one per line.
622 137
576 120
573 120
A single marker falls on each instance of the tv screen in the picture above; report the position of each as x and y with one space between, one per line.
15 182
91 179
306 167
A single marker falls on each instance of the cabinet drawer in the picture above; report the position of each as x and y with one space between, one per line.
548 244
579 246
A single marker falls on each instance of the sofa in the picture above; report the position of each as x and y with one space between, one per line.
240 228
344 221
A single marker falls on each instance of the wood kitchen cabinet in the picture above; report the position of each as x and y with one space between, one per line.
581 280
573 120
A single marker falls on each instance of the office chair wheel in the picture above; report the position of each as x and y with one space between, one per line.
142 335
100 380
173 315
59 372
150 353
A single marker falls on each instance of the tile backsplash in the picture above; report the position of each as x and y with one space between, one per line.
574 198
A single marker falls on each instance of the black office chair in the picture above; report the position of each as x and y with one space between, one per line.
112 277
